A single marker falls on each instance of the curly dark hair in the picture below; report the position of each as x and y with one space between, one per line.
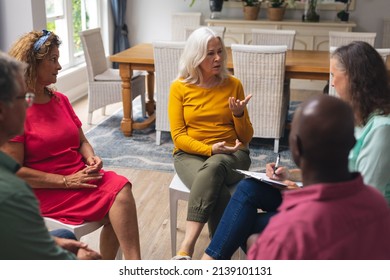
369 87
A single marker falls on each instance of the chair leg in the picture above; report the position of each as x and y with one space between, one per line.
241 254
119 254
90 118
143 105
276 145
173 220
158 137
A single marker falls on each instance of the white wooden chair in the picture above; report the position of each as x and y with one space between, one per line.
182 20
179 191
104 83
272 37
78 230
166 65
384 53
337 39
261 70
219 30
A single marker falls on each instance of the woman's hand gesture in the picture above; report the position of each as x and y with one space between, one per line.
84 178
95 163
221 148
237 106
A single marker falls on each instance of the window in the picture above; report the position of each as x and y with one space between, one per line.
67 18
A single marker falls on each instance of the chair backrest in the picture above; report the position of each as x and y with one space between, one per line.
95 56
166 64
261 70
386 33
271 37
384 53
337 39
219 30
182 20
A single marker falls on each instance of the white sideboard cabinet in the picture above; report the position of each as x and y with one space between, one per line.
309 36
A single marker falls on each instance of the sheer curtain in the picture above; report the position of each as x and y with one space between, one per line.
121 40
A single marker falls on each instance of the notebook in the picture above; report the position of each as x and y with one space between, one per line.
264 178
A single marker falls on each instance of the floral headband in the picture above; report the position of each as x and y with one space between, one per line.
38 44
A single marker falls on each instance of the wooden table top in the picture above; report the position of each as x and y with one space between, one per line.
300 64
307 63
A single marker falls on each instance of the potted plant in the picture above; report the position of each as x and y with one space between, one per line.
343 15
277 8
215 7
251 9
311 14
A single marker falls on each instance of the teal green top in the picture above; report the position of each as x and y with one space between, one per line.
23 234
371 153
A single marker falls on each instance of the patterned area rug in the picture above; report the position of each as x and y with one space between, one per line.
141 152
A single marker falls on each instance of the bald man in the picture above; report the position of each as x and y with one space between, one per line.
335 216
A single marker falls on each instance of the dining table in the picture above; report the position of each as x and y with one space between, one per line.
300 64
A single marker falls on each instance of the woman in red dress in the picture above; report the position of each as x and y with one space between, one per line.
58 161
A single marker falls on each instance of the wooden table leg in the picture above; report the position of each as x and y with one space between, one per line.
151 104
127 122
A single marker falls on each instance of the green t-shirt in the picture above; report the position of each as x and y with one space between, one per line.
23 234
371 153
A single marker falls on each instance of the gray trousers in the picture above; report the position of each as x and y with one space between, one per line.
209 179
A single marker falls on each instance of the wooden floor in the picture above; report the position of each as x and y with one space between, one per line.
150 190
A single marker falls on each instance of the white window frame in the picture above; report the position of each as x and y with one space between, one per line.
68 56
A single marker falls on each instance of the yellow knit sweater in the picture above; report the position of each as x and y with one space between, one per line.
200 117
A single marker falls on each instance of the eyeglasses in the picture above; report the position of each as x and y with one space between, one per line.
28 97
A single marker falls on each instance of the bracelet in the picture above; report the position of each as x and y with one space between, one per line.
65 182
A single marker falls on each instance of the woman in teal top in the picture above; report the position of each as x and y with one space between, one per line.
361 78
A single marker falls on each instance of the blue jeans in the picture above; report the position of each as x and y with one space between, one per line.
63 233
241 217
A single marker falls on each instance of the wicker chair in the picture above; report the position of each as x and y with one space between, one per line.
104 83
271 37
166 63
219 30
261 70
182 20
384 53
337 39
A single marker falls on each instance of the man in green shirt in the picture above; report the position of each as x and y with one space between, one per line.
23 234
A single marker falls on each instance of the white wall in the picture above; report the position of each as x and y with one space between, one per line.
19 17
150 20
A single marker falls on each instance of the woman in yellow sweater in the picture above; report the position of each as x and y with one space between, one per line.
210 128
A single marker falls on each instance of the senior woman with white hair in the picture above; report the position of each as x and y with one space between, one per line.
210 128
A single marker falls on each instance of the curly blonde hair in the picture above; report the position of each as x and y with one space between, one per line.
23 50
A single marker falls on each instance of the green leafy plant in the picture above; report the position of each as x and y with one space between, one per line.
280 3
252 3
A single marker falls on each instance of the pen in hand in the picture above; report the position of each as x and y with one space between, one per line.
277 163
